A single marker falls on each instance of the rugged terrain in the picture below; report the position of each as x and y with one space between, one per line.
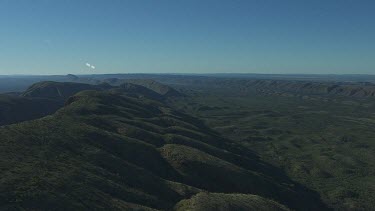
324 141
196 142
119 149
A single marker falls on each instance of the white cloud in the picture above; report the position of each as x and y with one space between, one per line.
90 66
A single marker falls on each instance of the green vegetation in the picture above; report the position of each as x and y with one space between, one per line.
51 89
222 202
324 142
15 109
161 89
214 144
116 150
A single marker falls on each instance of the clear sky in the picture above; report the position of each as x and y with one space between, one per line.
187 36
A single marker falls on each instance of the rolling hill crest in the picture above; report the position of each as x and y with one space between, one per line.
124 148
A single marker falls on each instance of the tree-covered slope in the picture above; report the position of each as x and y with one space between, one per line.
40 99
160 88
222 202
51 89
15 109
325 143
111 150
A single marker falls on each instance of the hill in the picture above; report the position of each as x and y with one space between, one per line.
307 87
50 89
222 202
39 100
140 91
110 150
324 141
46 97
15 109
162 89
284 86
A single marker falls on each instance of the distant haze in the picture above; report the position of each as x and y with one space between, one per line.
187 36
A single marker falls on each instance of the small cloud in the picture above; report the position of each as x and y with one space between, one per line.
90 66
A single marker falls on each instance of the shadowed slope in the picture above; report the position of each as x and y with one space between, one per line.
39 100
106 150
50 89
15 109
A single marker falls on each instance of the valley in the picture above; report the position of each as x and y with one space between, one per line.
184 143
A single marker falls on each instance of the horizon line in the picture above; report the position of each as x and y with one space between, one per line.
235 73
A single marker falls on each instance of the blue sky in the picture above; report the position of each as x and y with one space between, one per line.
187 36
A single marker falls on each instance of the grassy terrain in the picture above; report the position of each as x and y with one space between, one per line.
325 143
